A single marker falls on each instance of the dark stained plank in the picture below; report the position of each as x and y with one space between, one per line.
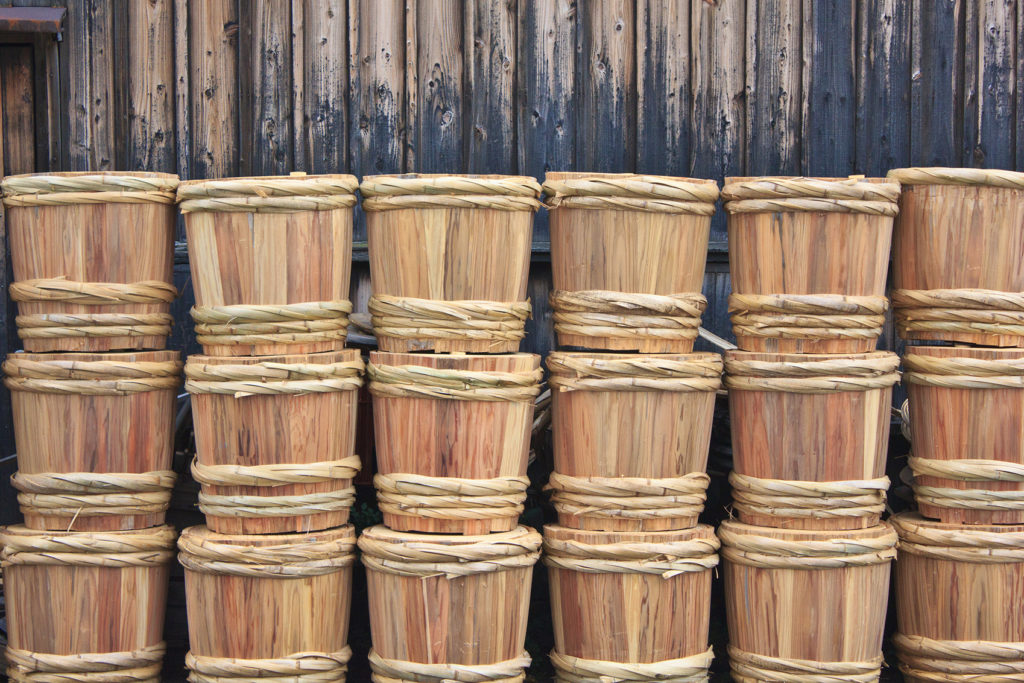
663 87
606 93
90 105
150 87
32 19
434 86
773 88
490 31
829 94
936 82
265 87
17 109
883 88
213 84
990 84
182 91
320 85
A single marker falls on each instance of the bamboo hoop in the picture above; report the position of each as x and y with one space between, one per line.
693 669
749 667
964 373
449 497
47 290
54 368
967 470
808 499
251 507
86 494
633 185
410 318
629 497
142 548
76 183
958 544
440 184
447 201
666 559
878 371
571 372
272 378
268 204
244 324
959 661
855 188
269 186
601 313
418 381
276 474
957 176
807 316
296 558
301 667
775 553
509 671
630 204
959 310
143 664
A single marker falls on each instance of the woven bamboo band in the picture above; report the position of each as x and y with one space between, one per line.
975 311
692 669
507 671
282 474
450 201
405 317
964 373
147 548
629 497
26 367
307 667
270 378
961 544
808 499
48 290
571 372
601 313
775 553
295 323
968 470
959 661
420 556
299 505
814 205
67 325
44 184
957 176
637 186
271 204
279 186
288 560
418 381
748 667
133 666
665 559
87 494
390 185
631 204
807 316
877 371
797 188
449 497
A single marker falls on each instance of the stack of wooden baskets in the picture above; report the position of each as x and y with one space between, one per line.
809 405
274 403
93 397
958 278
629 566
449 571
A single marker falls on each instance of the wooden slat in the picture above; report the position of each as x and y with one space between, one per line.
989 75
17 104
773 97
320 68
490 44
936 82
829 95
883 88
90 106
606 97
213 79
150 86
182 92
265 87
663 87
717 40
434 85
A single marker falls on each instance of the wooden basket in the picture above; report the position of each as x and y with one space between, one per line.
957 272
449 260
271 606
453 439
95 437
448 607
805 603
957 601
601 627
810 437
271 260
627 258
275 440
631 436
808 259
93 257
967 417
86 606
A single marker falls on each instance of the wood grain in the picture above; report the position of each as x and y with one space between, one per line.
150 96
17 109
490 65
663 87
320 68
213 82
90 106
265 87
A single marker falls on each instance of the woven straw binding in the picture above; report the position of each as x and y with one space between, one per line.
145 548
418 381
270 186
272 378
692 669
631 185
93 378
271 204
87 494
768 552
875 371
442 185
959 661
135 666
63 326
295 323
577 372
964 372
968 471
450 498
254 507
48 290
808 499
749 667
957 543
665 559
509 671
402 317
957 176
971 311
75 183
629 498
807 316
304 667
283 474
287 560
601 313
632 204
808 188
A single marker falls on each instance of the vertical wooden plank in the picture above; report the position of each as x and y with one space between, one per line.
829 95
182 92
17 109
663 87
213 87
265 87
150 87
606 105
936 82
883 87
48 103
320 32
717 46
490 30
989 65
90 35
773 89
434 78
1019 146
